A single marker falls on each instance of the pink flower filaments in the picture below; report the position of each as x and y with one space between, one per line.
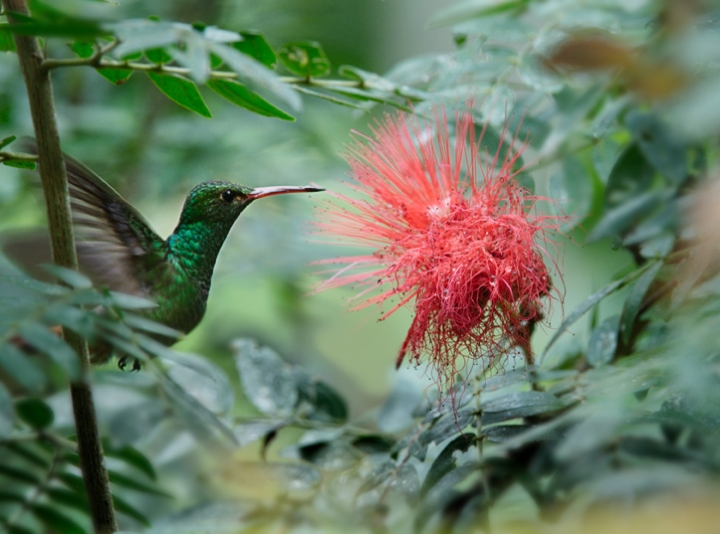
450 231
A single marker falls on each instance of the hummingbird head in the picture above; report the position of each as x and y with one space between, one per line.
224 201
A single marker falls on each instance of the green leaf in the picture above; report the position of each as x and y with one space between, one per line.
71 499
139 322
634 300
620 219
325 404
255 46
70 277
19 475
72 481
45 341
661 148
240 96
82 49
473 9
56 520
131 483
7 140
630 176
519 404
445 462
7 44
126 508
181 91
7 413
116 76
133 457
80 321
304 58
131 302
19 163
267 381
35 413
603 342
256 76
158 56
21 368
573 189
7 496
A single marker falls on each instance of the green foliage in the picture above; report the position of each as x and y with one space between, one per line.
619 132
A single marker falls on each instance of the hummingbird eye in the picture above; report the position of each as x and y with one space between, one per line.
227 196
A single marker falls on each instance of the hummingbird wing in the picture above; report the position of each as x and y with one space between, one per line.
116 246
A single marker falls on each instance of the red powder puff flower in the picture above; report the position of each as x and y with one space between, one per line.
452 232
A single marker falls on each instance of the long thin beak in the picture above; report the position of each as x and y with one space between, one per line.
260 192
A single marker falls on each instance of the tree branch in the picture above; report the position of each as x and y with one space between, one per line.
55 187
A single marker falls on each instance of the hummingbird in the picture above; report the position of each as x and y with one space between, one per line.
119 251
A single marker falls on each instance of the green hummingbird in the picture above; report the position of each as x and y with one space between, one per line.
118 249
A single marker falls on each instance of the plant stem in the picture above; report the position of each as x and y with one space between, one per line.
55 187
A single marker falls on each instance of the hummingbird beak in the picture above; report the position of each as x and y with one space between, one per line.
260 192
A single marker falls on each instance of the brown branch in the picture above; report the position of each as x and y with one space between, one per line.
54 182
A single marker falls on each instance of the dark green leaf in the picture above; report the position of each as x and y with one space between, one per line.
373 444
304 58
19 163
325 403
519 404
9 496
634 300
72 481
266 379
31 452
630 176
69 498
82 48
445 462
158 55
6 40
181 91
52 345
56 520
255 45
35 413
620 219
240 96
256 76
133 457
502 433
7 414
131 483
603 342
572 188
7 140
661 148
129 510
21 368
17 475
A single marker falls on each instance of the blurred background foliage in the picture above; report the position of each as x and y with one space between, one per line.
618 102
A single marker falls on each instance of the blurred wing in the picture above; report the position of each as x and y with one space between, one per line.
116 246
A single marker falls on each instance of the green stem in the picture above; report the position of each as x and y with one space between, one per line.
55 187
